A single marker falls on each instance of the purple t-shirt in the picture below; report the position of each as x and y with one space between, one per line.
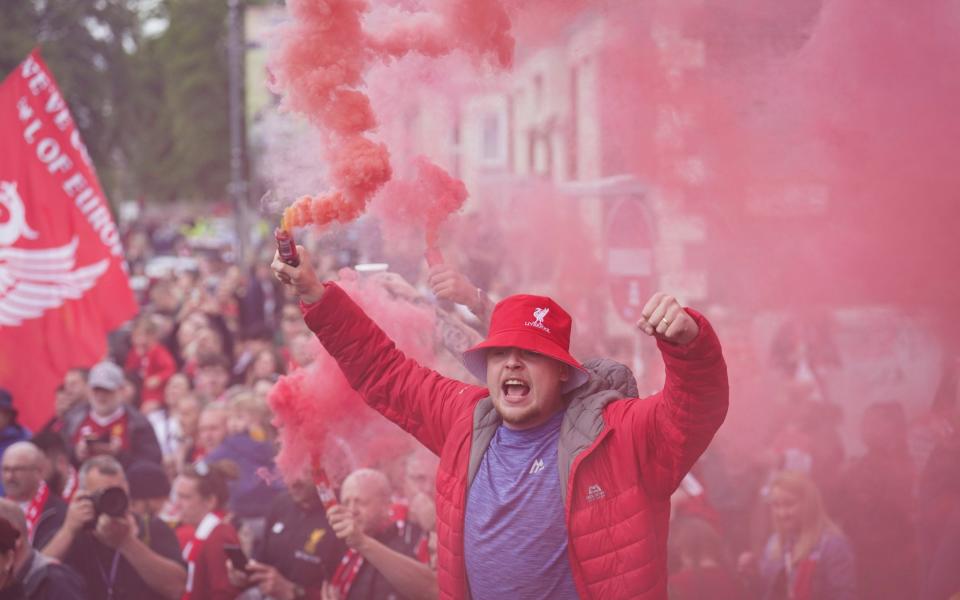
516 537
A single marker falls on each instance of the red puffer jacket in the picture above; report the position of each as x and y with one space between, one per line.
620 458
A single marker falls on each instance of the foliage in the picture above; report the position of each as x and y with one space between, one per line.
152 109
83 44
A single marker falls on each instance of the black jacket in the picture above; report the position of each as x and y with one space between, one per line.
43 578
369 583
300 543
54 512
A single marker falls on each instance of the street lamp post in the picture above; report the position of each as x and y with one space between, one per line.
238 186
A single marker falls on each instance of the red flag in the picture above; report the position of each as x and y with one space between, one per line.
63 283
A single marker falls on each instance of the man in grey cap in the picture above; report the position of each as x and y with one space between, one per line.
108 425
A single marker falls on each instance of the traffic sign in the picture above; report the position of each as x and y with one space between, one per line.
629 257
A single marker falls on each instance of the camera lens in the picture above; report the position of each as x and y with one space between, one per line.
112 502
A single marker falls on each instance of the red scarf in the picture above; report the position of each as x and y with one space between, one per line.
399 513
346 572
114 429
70 487
803 582
35 508
196 453
422 550
191 550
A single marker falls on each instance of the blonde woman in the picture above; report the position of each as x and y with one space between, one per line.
807 557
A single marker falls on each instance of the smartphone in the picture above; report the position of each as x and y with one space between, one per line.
103 438
237 558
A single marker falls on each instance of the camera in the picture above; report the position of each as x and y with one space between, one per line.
111 501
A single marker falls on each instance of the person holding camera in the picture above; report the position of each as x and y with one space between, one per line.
109 426
200 496
119 555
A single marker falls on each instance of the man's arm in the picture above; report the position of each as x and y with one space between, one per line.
79 512
419 400
59 544
449 284
670 434
412 578
163 575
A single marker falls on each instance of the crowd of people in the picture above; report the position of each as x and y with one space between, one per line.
156 476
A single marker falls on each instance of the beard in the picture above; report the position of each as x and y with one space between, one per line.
519 416
55 482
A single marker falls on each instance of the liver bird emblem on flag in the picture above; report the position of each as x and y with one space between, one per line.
35 280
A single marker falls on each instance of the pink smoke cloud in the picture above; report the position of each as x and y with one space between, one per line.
319 414
320 67
424 201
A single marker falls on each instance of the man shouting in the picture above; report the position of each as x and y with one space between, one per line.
552 482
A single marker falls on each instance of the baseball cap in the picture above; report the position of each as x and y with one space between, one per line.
105 375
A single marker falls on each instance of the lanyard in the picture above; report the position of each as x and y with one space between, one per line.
113 573
144 524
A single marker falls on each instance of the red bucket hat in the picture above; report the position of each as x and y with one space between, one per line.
534 323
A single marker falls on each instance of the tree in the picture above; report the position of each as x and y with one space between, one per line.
84 44
152 109
194 66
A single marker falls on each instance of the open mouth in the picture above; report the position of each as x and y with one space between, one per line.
515 389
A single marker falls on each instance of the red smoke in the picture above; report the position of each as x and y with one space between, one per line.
826 132
321 65
480 27
856 127
319 414
427 200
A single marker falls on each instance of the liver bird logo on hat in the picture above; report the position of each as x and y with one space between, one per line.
540 314
35 280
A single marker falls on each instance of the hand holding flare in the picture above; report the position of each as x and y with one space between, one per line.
286 246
